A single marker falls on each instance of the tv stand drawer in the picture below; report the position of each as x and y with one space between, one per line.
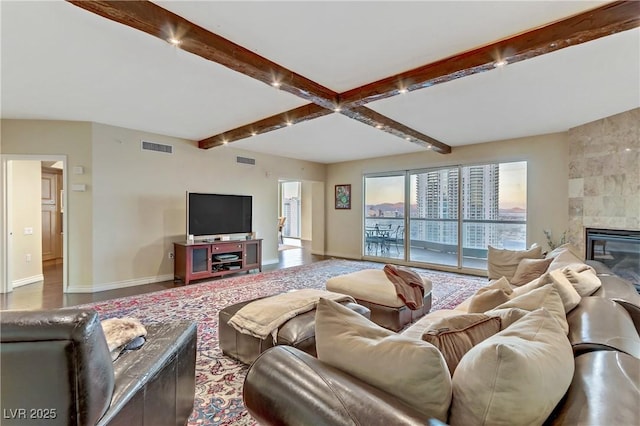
226 247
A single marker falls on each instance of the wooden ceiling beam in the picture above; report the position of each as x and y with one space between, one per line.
161 23
590 25
374 119
275 122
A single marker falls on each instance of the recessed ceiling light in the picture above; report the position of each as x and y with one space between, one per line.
429 147
174 41
289 123
403 91
378 126
407 138
276 84
253 133
337 109
501 63
628 149
224 141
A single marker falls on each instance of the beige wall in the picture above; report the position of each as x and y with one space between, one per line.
72 139
123 226
25 203
546 189
604 175
139 199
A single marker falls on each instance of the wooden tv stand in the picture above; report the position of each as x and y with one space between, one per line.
199 260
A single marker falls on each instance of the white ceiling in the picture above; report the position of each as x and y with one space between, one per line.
61 62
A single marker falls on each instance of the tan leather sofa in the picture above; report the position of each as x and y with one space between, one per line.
285 386
57 370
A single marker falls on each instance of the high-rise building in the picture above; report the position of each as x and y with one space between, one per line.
438 206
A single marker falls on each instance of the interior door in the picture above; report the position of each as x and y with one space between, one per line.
51 220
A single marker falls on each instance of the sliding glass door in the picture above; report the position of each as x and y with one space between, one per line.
434 218
453 215
383 233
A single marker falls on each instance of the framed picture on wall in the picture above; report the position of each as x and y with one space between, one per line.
343 196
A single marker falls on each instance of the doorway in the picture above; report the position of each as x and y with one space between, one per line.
33 220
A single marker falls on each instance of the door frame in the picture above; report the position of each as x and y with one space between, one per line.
6 200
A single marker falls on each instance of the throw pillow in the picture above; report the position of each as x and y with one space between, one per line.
505 262
507 315
411 369
585 282
566 258
565 247
570 297
529 269
455 336
544 297
515 377
502 283
485 299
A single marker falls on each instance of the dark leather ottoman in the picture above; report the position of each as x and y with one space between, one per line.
298 332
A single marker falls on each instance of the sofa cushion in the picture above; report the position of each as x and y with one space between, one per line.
410 369
485 299
503 263
515 377
544 297
454 336
530 269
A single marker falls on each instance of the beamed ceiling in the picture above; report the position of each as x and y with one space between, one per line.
336 81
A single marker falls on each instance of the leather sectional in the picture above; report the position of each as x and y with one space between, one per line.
285 386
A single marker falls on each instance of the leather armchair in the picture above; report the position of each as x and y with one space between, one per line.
57 370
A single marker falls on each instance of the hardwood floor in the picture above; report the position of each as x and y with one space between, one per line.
49 295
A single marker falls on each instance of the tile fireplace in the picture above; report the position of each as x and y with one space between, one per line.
618 249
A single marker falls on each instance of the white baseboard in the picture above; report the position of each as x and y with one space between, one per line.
28 280
120 284
270 261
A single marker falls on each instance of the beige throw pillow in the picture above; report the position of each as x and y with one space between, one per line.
454 336
585 282
544 297
505 262
530 269
411 369
486 298
507 315
570 297
502 283
515 377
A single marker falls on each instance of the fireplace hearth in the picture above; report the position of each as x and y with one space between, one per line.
618 249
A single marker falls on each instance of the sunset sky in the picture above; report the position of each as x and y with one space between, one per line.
513 184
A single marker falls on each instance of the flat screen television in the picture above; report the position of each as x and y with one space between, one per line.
214 215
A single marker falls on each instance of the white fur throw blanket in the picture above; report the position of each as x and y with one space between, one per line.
263 317
119 332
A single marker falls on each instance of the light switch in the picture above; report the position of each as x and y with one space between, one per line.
78 170
79 187
28 231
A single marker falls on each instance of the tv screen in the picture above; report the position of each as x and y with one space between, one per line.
218 214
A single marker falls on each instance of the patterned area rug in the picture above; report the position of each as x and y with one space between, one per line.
219 379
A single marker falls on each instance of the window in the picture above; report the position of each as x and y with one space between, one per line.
453 215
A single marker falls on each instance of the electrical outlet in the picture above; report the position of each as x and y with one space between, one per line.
171 255
27 257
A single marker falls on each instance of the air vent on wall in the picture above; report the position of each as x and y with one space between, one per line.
153 146
245 160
